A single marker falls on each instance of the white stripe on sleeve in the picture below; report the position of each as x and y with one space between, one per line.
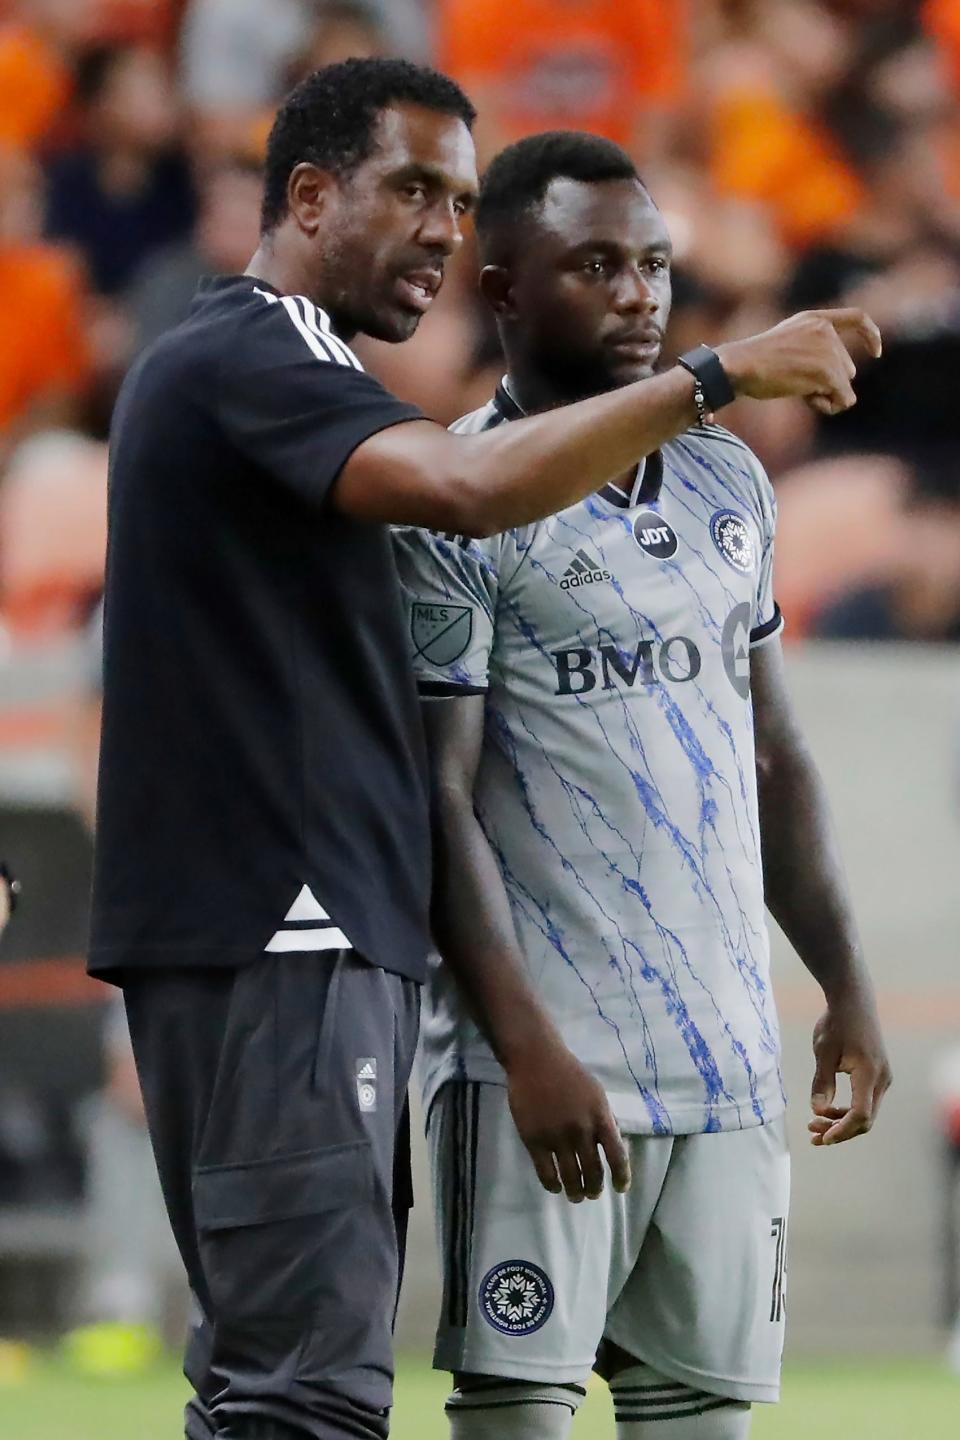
316 344
318 321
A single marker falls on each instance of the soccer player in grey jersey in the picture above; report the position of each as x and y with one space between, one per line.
620 785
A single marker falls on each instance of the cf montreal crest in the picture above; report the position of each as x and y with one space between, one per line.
516 1297
441 633
733 539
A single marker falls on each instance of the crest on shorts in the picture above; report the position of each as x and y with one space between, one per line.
732 537
516 1297
441 633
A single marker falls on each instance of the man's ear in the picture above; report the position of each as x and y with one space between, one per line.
308 193
496 287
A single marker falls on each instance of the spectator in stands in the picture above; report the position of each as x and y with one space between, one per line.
941 19
127 189
37 42
44 361
225 236
341 29
759 90
53 527
612 66
238 56
919 598
235 55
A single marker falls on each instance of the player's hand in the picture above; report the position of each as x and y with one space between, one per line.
809 355
563 1117
847 1041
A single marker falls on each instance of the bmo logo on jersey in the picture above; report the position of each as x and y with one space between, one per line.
654 536
579 671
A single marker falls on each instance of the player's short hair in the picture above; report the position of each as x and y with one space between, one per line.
519 177
330 119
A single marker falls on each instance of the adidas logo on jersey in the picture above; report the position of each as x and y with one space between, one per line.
582 570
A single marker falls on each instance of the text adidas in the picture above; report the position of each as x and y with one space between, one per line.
590 577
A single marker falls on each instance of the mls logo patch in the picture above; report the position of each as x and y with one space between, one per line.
733 539
516 1297
441 633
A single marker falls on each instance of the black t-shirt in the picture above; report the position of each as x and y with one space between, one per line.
262 765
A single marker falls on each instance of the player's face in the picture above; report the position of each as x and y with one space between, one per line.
590 294
396 220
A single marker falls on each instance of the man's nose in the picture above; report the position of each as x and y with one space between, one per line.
442 228
634 292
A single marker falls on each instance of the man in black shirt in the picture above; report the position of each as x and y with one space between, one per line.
262 869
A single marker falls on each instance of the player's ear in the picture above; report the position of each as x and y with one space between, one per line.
496 287
308 191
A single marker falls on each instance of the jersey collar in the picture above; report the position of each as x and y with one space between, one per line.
647 482
645 489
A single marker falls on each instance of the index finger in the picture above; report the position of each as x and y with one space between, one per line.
853 322
859 1117
855 1122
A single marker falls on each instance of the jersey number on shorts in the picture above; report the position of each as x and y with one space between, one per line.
778 1233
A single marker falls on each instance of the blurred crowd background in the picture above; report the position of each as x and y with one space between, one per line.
804 152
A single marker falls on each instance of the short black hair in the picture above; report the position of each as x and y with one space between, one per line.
331 116
519 177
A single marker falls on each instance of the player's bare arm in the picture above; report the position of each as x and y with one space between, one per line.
560 1111
806 892
419 474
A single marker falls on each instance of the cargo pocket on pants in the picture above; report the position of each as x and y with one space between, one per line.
275 1234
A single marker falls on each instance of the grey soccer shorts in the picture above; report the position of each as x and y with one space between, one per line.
686 1272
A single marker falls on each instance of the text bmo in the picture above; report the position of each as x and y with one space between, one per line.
610 667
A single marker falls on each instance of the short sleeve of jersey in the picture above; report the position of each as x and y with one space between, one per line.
449 585
295 400
768 621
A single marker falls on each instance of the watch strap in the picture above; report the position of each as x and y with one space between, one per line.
706 367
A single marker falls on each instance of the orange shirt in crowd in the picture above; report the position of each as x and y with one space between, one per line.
43 354
565 64
34 86
763 151
942 20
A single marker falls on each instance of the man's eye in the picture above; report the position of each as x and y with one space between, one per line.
415 191
594 267
657 264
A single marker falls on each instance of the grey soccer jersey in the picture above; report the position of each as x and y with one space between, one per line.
617 783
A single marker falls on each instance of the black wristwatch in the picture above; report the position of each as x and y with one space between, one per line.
12 884
712 389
